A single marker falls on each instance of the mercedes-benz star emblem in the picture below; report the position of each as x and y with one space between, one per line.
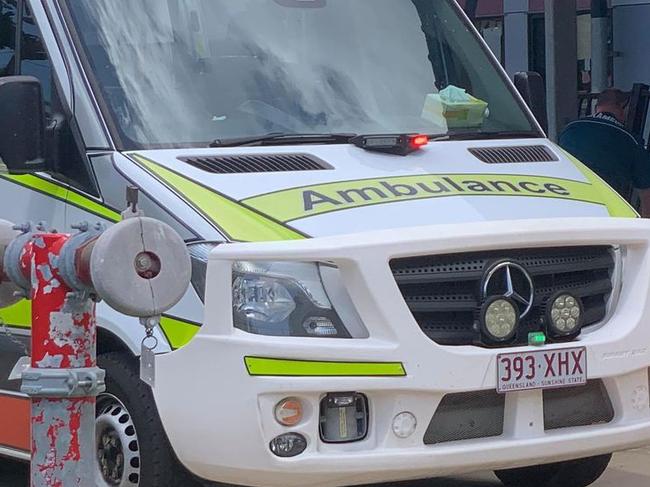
510 280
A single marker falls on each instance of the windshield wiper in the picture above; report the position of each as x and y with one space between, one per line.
401 144
287 138
281 138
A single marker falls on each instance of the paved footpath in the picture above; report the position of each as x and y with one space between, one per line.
631 469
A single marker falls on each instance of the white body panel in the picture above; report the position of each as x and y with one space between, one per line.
21 205
234 416
353 165
219 419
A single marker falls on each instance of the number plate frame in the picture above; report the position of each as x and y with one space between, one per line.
568 368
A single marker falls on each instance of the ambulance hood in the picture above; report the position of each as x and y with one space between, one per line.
350 190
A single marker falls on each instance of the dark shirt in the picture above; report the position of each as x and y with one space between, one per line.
607 148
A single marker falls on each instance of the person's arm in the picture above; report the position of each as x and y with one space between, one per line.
644 194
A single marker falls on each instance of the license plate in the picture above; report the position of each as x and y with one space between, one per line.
544 369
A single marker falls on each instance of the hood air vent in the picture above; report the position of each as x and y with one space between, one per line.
257 163
513 155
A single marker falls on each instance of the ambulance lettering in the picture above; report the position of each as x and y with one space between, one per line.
383 190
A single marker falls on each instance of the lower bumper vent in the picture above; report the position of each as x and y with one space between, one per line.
467 416
577 406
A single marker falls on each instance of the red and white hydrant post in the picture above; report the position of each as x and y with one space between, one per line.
63 379
140 267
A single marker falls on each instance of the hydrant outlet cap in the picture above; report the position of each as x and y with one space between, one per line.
140 267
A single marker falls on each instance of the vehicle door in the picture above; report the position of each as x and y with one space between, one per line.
33 198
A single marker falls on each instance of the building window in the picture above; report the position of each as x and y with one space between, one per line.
492 32
537 44
584 52
537 48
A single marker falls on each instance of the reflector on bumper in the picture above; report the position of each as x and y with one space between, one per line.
258 366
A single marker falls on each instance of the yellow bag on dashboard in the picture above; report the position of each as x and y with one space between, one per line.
453 107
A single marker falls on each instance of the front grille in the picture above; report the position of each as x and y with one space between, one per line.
577 406
444 292
257 163
512 155
467 416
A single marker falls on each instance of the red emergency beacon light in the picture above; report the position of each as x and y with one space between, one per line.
400 144
419 141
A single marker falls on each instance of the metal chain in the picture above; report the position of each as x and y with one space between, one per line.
150 324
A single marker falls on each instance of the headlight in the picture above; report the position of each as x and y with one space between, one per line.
285 298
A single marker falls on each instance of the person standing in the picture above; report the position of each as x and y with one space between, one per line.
604 144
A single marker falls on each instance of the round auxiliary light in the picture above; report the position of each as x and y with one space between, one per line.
564 314
289 412
288 445
499 318
404 424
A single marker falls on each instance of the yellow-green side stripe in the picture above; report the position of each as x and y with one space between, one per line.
62 193
616 205
274 367
237 221
178 332
18 316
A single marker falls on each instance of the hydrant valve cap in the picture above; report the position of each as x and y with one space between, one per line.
140 267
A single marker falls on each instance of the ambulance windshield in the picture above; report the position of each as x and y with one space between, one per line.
174 73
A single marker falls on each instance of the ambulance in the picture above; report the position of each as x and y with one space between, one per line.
395 274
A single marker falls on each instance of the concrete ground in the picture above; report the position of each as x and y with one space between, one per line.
631 469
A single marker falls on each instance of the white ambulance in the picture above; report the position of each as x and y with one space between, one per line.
395 274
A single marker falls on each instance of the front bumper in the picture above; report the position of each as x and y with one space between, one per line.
219 418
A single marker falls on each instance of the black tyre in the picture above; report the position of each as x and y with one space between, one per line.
576 473
132 447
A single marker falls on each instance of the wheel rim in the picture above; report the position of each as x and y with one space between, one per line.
117 447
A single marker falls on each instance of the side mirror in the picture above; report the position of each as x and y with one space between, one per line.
22 125
533 90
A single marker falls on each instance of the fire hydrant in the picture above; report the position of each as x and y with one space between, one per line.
139 266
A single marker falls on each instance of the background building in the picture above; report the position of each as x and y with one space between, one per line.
602 45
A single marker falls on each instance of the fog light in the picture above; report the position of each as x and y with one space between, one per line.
499 318
288 445
289 412
319 326
343 417
404 424
564 315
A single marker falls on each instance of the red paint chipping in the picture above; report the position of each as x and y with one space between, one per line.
63 336
25 261
61 431
38 419
48 294
74 452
